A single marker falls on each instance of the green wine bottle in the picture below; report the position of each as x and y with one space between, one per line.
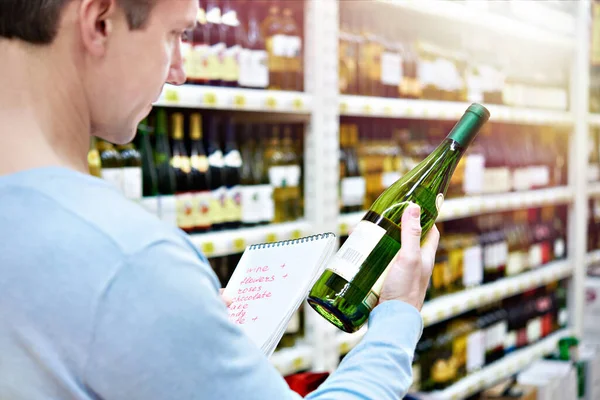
349 288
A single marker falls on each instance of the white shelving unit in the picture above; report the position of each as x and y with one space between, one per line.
364 106
222 98
475 205
322 104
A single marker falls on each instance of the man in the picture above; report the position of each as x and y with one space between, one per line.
98 299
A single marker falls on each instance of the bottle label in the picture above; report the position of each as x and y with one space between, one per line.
251 204
510 341
202 212
292 174
254 68
514 263
214 15
267 203
185 210
217 204
213 61
473 174
216 159
233 159
188 55
391 68
132 182
230 71
534 330
353 191
355 250
293 50
472 266
200 54
199 163
475 351
276 46
232 209
278 176
559 248
535 256
114 176
181 162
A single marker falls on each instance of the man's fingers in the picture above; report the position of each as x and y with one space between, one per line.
410 252
225 299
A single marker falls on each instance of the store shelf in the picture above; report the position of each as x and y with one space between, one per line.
460 15
221 243
365 106
474 205
292 360
454 304
499 370
209 97
593 257
594 120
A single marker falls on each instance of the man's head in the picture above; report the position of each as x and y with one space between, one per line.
115 54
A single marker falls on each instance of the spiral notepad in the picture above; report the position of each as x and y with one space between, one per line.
271 281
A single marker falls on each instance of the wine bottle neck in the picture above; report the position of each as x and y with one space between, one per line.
469 125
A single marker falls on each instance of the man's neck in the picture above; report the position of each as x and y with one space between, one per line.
43 117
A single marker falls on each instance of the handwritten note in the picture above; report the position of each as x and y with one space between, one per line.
269 284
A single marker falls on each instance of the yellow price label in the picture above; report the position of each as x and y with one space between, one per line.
455 309
298 104
439 315
497 293
208 248
271 102
410 112
271 238
426 320
344 348
239 244
239 100
387 110
343 229
210 99
471 303
522 286
343 108
367 109
456 397
171 96
296 234
298 363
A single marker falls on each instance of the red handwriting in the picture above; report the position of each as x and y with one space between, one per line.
238 317
261 279
257 269
254 319
264 295
285 276
282 265
249 289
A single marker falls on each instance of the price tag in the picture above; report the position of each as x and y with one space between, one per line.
439 315
171 96
298 104
296 234
208 248
271 238
426 320
239 245
239 100
387 110
410 112
210 99
471 303
343 108
271 102
367 109
344 348
457 396
343 229
497 294
455 309
522 286
298 363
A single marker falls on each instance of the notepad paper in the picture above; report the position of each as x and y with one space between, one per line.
271 281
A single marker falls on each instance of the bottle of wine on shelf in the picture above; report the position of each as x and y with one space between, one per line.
292 78
182 168
196 49
112 164
199 182
231 36
132 171
162 156
265 189
254 68
272 28
149 173
215 174
217 44
231 176
349 288
251 205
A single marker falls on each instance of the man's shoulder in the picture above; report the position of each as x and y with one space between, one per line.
80 208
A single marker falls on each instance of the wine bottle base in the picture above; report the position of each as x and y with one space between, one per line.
335 316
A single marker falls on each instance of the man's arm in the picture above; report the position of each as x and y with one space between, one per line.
162 332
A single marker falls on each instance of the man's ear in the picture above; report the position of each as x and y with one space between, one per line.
96 23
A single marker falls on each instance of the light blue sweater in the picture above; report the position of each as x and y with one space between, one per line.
101 300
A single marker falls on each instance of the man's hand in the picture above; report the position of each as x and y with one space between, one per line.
225 299
409 274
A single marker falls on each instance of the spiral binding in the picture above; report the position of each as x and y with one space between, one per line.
291 241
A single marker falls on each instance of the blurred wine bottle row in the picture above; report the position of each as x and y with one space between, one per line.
247 43
482 249
377 152
380 55
450 350
237 174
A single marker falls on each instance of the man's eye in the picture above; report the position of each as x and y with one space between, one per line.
186 35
